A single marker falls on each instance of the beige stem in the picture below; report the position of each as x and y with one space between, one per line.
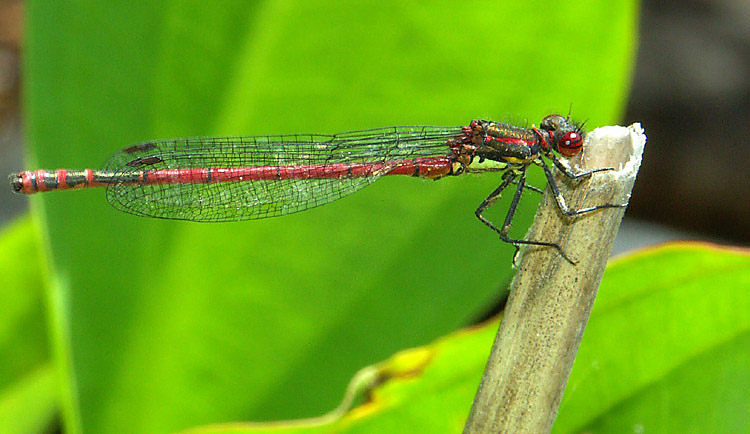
550 299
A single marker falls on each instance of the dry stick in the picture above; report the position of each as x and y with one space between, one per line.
550 299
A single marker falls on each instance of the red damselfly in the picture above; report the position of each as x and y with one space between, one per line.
223 179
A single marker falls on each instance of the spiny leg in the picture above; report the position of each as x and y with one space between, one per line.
561 200
508 178
504 170
492 198
569 173
531 187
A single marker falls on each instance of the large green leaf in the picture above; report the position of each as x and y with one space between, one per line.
666 350
28 398
163 325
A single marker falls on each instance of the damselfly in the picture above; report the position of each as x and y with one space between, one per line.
221 179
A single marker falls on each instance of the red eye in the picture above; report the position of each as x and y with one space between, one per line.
570 143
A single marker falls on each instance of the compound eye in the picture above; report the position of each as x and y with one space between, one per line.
552 122
570 143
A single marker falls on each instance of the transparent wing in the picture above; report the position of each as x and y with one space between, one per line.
194 198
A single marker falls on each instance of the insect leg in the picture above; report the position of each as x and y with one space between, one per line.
569 173
508 178
492 198
531 187
561 200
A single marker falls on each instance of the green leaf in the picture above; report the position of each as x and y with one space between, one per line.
28 399
666 347
30 404
163 325
666 350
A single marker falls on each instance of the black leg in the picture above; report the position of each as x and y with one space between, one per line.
531 187
492 198
508 177
561 200
569 173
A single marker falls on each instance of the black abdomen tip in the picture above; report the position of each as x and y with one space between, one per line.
16 182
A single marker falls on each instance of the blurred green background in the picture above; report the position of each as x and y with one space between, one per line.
160 325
